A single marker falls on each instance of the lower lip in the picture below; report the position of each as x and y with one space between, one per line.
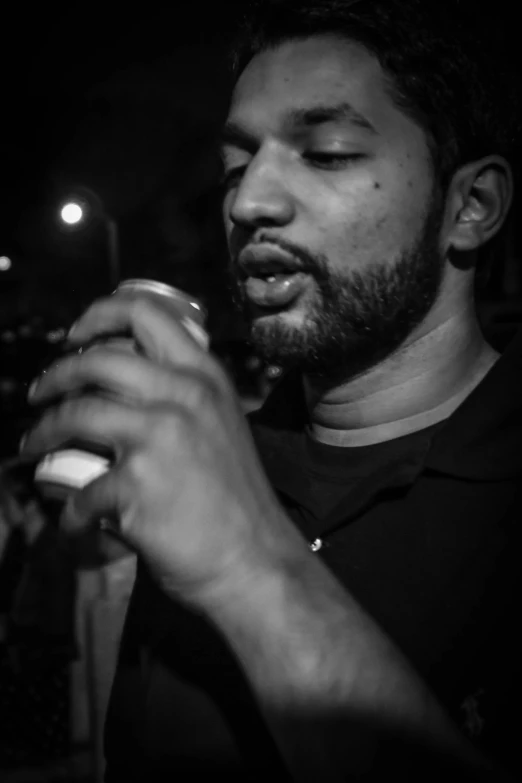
278 293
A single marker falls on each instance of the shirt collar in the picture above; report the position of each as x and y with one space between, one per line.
481 440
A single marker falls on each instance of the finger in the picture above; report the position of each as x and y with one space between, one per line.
96 503
89 419
132 378
104 504
154 326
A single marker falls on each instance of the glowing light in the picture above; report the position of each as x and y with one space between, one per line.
5 263
71 213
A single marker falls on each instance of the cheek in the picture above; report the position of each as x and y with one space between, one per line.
374 226
355 235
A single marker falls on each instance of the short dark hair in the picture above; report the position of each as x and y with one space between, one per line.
448 73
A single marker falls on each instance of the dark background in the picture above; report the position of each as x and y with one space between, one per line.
126 102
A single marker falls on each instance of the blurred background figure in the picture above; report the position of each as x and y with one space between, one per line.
37 641
62 606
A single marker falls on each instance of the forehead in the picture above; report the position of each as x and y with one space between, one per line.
305 72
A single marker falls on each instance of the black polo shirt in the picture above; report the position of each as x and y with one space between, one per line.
425 536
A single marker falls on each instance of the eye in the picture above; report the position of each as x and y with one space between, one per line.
232 176
332 160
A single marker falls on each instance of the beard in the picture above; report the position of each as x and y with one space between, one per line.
357 318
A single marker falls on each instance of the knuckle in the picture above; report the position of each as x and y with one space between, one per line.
168 429
202 392
76 411
208 390
159 427
174 426
137 467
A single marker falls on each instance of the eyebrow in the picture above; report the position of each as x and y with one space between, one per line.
318 115
300 119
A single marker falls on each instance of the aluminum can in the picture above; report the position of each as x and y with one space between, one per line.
65 470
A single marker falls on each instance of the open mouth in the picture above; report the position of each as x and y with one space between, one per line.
275 290
271 277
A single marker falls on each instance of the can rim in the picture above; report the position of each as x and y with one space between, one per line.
158 287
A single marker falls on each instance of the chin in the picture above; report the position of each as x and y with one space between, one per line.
293 317
279 341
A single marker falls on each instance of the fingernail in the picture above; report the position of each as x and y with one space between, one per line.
72 330
33 387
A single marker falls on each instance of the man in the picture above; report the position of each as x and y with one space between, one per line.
339 602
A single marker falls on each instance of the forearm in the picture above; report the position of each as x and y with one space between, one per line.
335 690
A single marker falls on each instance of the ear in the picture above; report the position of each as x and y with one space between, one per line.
478 202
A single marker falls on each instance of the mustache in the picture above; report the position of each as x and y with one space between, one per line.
309 262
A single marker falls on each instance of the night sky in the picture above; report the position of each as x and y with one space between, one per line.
52 62
126 103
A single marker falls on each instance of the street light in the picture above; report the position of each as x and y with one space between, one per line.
71 213
76 211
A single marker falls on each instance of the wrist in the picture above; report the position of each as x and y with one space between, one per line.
277 613
273 552
248 584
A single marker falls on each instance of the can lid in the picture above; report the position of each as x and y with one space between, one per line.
158 287
72 468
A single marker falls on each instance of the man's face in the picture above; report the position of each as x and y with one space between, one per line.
330 213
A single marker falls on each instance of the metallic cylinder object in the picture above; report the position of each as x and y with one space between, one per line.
76 466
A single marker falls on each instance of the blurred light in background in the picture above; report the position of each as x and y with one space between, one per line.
71 213
86 207
56 335
5 263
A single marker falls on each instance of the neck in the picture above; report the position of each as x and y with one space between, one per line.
421 383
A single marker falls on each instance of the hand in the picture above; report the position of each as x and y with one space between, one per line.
186 485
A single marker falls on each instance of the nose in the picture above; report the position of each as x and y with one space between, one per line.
262 198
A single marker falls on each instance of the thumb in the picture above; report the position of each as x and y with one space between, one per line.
96 506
